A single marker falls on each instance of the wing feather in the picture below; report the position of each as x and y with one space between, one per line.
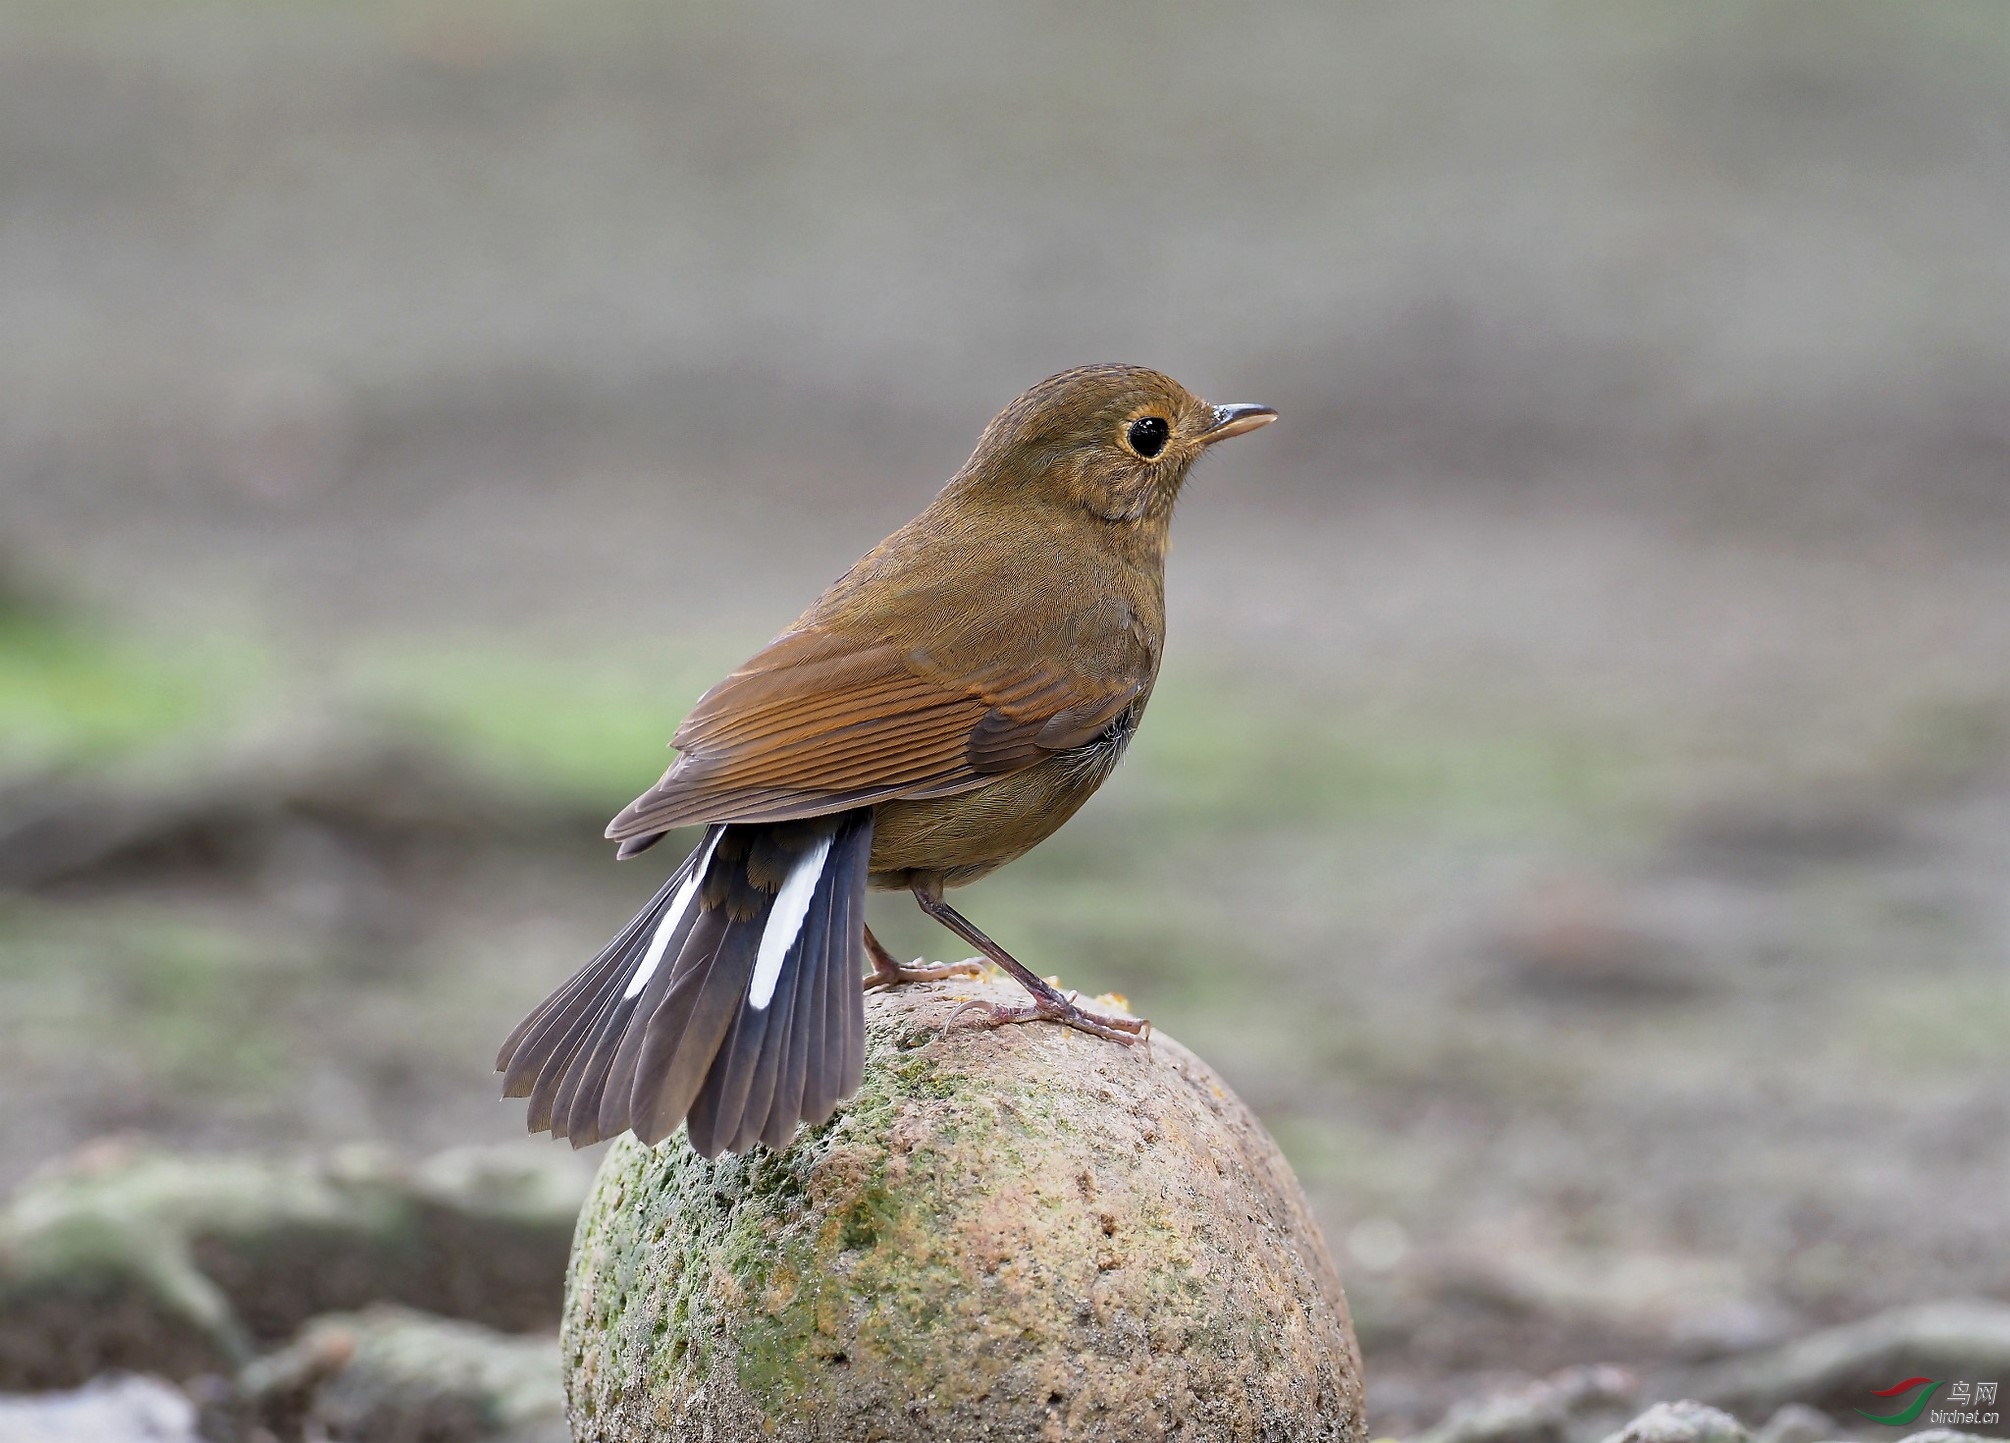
818 722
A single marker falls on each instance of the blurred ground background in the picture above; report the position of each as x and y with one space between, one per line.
1576 812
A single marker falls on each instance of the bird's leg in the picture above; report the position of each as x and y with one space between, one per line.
888 973
1049 1004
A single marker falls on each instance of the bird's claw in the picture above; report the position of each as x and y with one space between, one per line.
899 975
1125 1030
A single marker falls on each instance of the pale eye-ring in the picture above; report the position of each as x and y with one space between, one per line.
1148 435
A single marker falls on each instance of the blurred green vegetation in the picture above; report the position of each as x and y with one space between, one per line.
1214 751
1217 751
75 692
587 729
185 1002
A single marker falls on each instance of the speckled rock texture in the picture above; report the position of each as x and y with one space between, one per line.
1014 1233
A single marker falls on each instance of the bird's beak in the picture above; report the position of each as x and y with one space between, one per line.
1234 420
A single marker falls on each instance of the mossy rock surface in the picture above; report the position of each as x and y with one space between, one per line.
1014 1233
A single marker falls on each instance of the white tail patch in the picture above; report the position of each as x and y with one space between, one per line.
672 915
785 920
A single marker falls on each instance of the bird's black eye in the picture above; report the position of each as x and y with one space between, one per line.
1148 435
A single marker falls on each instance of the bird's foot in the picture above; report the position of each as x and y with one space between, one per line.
888 973
1061 1008
893 974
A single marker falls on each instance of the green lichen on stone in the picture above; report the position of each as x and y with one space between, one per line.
776 1252
1003 1231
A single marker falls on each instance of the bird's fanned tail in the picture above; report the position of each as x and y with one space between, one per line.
733 1001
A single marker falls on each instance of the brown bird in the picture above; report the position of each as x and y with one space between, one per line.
945 706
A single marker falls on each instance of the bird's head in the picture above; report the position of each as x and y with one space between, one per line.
1114 440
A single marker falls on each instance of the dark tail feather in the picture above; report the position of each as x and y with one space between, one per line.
540 1054
806 1046
849 1001
535 1038
792 1000
734 1107
580 1112
687 1015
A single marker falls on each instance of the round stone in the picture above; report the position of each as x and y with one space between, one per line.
1024 1232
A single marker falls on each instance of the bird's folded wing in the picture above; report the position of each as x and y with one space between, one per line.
817 722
